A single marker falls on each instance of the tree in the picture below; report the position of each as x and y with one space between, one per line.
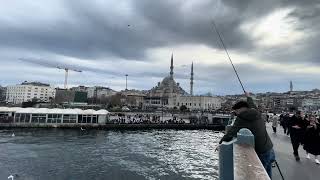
183 108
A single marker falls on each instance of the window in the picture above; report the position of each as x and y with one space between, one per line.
87 118
22 118
69 118
54 118
38 118
94 118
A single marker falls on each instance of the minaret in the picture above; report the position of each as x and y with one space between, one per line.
191 80
171 67
291 86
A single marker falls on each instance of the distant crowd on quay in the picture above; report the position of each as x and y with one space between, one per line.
118 118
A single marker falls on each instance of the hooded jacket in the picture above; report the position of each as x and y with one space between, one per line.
251 119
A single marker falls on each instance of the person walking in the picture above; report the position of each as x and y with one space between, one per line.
312 139
296 126
274 120
286 122
249 117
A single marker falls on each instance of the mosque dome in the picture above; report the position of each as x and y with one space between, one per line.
168 86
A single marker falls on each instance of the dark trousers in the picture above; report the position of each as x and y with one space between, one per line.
296 140
274 129
288 131
285 129
267 159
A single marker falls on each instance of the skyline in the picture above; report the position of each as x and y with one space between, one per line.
270 43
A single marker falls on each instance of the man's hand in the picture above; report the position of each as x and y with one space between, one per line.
296 127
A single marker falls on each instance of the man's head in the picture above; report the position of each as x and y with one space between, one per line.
299 113
240 107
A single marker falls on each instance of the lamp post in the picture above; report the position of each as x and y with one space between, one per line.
126 81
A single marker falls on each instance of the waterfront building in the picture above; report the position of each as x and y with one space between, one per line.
199 102
52 116
27 91
311 104
133 98
79 89
66 96
2 93
99 92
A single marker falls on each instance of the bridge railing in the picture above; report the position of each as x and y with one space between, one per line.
238 159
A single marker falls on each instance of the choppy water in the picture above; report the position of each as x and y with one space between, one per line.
94 154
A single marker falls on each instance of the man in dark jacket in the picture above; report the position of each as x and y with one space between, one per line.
248 117
296 126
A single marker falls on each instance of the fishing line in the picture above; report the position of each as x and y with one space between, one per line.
225 49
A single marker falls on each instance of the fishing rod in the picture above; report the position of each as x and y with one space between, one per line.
225 49
279 169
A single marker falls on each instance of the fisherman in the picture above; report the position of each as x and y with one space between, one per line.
249 117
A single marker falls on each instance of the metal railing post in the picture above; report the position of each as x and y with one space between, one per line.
226 167
245 136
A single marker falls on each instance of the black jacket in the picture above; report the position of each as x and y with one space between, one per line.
251 119
297 120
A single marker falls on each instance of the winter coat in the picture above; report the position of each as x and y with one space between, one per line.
251 119
274 121
312 140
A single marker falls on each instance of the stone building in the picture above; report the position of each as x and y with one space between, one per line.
28 91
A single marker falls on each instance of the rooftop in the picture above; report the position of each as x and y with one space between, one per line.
34 83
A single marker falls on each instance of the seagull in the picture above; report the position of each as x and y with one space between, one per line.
11 177
13 135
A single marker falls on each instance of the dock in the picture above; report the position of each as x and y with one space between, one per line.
113 126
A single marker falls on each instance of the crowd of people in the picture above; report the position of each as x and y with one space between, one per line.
143 119
303 130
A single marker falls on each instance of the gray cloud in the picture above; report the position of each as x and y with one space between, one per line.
113 33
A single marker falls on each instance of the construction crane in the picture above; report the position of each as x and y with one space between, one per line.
66 74
51 65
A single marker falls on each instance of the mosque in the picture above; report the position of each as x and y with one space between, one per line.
169 94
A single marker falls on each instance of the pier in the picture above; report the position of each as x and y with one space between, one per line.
114 126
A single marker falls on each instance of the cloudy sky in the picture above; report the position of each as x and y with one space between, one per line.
270 42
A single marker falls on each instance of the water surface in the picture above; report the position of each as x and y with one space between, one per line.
97 154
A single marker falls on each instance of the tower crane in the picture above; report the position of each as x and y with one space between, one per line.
51 65
66 69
